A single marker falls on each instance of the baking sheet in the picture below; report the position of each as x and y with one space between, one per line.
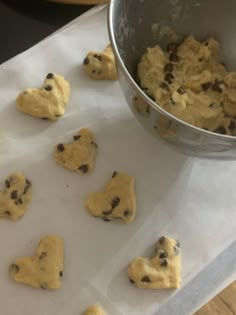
187 198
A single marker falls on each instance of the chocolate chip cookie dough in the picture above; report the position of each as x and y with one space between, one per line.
116 201
162 271
15 197
100 65
45 269
80 155
189 81
48 102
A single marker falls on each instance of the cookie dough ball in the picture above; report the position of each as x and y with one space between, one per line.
101 65
43 270
15 197
116 201
80 155
162 271
48 102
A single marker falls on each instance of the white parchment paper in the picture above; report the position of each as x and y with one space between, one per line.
187 198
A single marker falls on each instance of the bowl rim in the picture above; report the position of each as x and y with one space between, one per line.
141 93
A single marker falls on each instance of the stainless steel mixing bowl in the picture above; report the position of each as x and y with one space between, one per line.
135 25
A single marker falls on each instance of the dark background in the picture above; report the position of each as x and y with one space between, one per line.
24 23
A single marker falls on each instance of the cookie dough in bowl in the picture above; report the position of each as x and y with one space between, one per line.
190 82
159 23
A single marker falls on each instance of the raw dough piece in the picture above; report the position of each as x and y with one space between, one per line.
48 102
188 81
15 197
160 272
141 106
116 201
94 310
79 155
101 65
45 269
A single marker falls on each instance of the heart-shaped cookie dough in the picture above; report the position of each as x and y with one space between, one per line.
15 197
79 155
45 269
160 272
101 65
48 102
116 201
94 310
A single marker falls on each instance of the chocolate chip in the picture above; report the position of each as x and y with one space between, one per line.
48 87
14 194
211 105
115 201
163 254
173 57
44 118
28 185
60 147
221 130
145 279
77 137
19 202
61 273
169 67
86 61
164 86
94 143
7 212
216 87
176 251
7 183
162 240
107 212
169 77
50 76
164 263
206 86
99 57
206 43
44 285
200 59
131 280
114 174
93 71
232 125
42 255
181 90
172 47
58 115
177 244
15 268
106 219
84 168
127 213
145 90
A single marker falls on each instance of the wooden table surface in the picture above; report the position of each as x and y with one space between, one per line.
223 304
